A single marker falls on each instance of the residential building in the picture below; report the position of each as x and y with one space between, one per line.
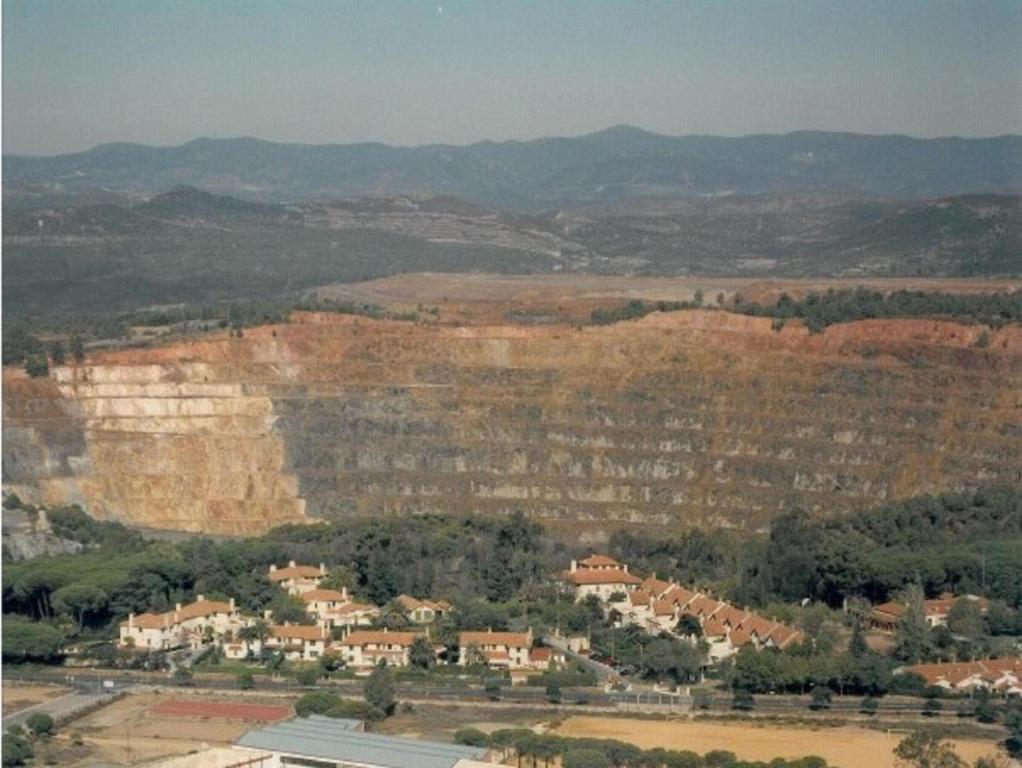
508 650
601 576
326 742
319 602
193 624
298 642
297 578
886 616
423 611
363 649
1002 675
349 615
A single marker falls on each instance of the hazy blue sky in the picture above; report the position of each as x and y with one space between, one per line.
82 72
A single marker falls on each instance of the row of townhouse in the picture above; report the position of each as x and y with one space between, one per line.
1001 675
364 649
886 616
657 606
191 625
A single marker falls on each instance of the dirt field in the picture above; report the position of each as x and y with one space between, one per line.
18 696
489 298
846 747
151 726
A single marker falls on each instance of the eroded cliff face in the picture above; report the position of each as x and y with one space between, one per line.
680 419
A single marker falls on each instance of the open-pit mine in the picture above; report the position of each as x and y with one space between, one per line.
677 419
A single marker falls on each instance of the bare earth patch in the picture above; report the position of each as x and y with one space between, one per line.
149 726
846 747
19 696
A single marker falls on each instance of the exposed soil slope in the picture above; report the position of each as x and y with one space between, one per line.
681 419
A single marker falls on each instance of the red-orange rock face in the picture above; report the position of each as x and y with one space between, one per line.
680 419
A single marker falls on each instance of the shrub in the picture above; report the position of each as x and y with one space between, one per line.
471 737
40 724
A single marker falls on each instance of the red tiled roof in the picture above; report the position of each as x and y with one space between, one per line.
639 597
297 632
295 572
510 639
540 654
378 636
989 670
663 608
598 561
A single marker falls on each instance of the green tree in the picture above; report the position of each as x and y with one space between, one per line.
77 347
857 643
868 706
16 750
924 749
57 352
245 681
36 366
965 619
579 757
289 610
183 676
25 640
379 690
257 630
820 697
743 700
553 692
689 626
912 634
77 600
492 688
40 724
932 707
307 677
474 656
421 654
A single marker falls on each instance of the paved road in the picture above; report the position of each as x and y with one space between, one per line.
63 707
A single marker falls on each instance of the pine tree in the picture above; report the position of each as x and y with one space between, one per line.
379 689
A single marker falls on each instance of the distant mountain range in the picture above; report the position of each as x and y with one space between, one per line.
617 164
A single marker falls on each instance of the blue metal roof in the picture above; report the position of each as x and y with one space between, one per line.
326 738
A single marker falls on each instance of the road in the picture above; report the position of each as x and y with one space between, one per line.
66 707
87 682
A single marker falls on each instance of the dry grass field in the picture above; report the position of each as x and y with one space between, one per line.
845 747
19 696
146 727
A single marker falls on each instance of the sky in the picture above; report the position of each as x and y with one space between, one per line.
77 73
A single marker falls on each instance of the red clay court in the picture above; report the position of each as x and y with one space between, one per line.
222 710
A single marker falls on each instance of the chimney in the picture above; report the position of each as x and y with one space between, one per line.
273 567
200 598
131 621
625 566
267 614
231 603
177 607
574 565
322 569
290 563
489 629
344 591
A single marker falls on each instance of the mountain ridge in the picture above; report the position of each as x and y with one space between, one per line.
620 162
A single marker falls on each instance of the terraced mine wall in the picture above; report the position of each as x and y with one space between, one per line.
680 419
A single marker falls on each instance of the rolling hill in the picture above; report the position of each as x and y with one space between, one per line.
615 164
